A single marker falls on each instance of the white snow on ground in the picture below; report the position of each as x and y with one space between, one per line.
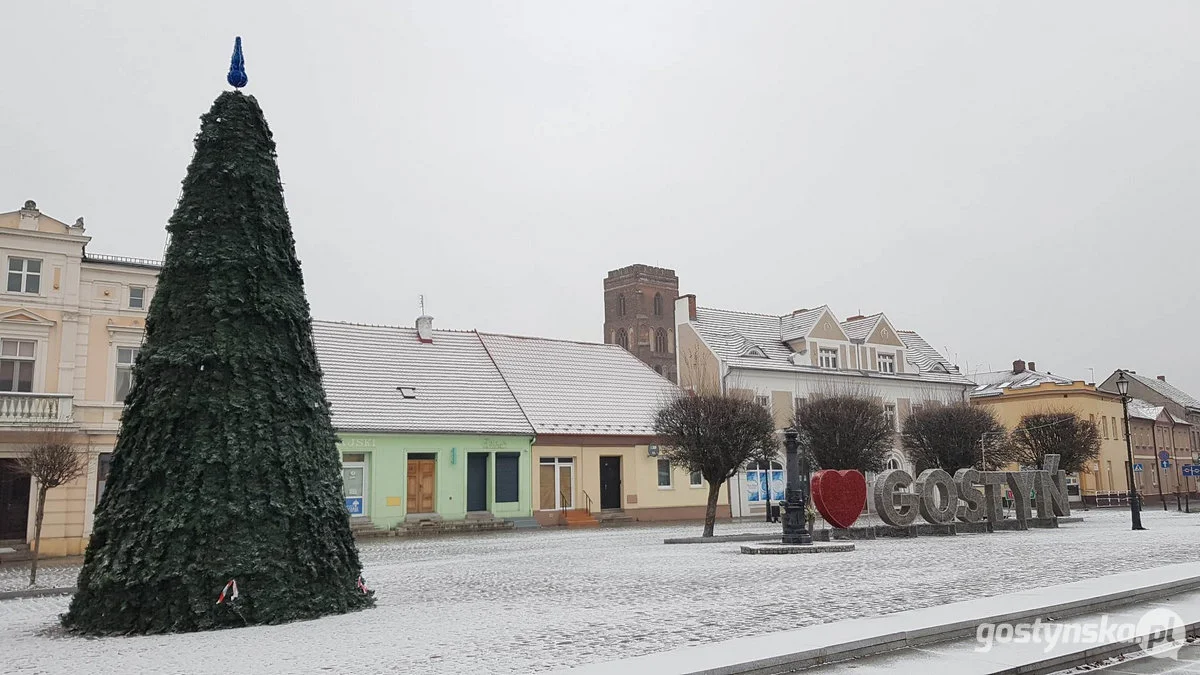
51 574
519 602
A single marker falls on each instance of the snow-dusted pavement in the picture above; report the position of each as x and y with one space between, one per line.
527 601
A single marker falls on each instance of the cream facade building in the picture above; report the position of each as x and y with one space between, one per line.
71 323
781 360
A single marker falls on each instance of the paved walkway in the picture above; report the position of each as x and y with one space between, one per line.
528 601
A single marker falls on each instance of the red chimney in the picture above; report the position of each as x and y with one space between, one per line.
856 317
1163 378
691 298
1018 366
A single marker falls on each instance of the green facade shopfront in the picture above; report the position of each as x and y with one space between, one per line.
389 478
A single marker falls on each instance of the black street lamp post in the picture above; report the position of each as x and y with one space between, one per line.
1135 509
795 516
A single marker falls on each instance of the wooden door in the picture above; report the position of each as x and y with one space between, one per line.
14 501
421 475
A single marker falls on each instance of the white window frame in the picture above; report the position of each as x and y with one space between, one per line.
119 367
366 502
670 475
889 411
119 336
141 301
692 480
558 463
17 358
765 402
24 274
886 363
827 357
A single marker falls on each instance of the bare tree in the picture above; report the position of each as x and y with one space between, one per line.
715 434
952 437
845 430
52 459
1062 432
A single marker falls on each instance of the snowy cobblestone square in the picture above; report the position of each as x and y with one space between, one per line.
521 602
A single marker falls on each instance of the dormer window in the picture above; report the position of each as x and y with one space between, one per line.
756 352
407 392
887 363
828 357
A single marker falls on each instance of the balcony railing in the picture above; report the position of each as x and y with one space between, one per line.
22 408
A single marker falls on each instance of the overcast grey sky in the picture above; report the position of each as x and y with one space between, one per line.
1009 179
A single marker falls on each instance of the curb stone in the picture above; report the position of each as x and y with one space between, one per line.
37 592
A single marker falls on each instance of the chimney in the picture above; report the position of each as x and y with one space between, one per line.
1033 366
691 298
425 328
856 317
1163 378
1018 366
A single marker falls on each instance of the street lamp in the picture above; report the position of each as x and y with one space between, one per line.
795 516
1134 510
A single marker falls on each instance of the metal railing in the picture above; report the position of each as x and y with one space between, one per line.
28 408
122 260
587 500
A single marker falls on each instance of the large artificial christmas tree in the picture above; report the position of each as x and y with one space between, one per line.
225 468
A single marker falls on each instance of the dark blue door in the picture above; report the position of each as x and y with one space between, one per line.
477 474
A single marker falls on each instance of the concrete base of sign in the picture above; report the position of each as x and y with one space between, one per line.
937 530
723 538
981 527
784 549
1009 525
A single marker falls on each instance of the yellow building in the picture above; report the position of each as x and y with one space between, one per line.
1012 394
71 323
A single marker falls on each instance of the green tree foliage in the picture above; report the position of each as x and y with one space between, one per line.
226 465
844 430
715 434
955 436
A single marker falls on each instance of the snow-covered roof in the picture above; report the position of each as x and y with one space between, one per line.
861 328
1168 391
1148 411
1144 410
994 383
456 388
729 333
569 387
383 378
800 323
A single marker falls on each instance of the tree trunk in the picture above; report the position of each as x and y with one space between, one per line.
710 512
37 533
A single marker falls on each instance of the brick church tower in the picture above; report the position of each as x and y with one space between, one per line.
639 314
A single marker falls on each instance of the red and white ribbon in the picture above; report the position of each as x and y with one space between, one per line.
362 586
230 588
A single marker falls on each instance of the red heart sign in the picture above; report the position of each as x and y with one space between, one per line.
839 496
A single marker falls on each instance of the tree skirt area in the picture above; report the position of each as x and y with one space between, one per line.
518 602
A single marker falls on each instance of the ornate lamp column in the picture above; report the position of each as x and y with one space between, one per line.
795 522
1134 508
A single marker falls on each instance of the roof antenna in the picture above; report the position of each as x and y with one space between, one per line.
421 298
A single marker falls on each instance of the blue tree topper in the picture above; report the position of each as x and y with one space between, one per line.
237 66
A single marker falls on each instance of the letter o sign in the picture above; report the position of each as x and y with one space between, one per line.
934 486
